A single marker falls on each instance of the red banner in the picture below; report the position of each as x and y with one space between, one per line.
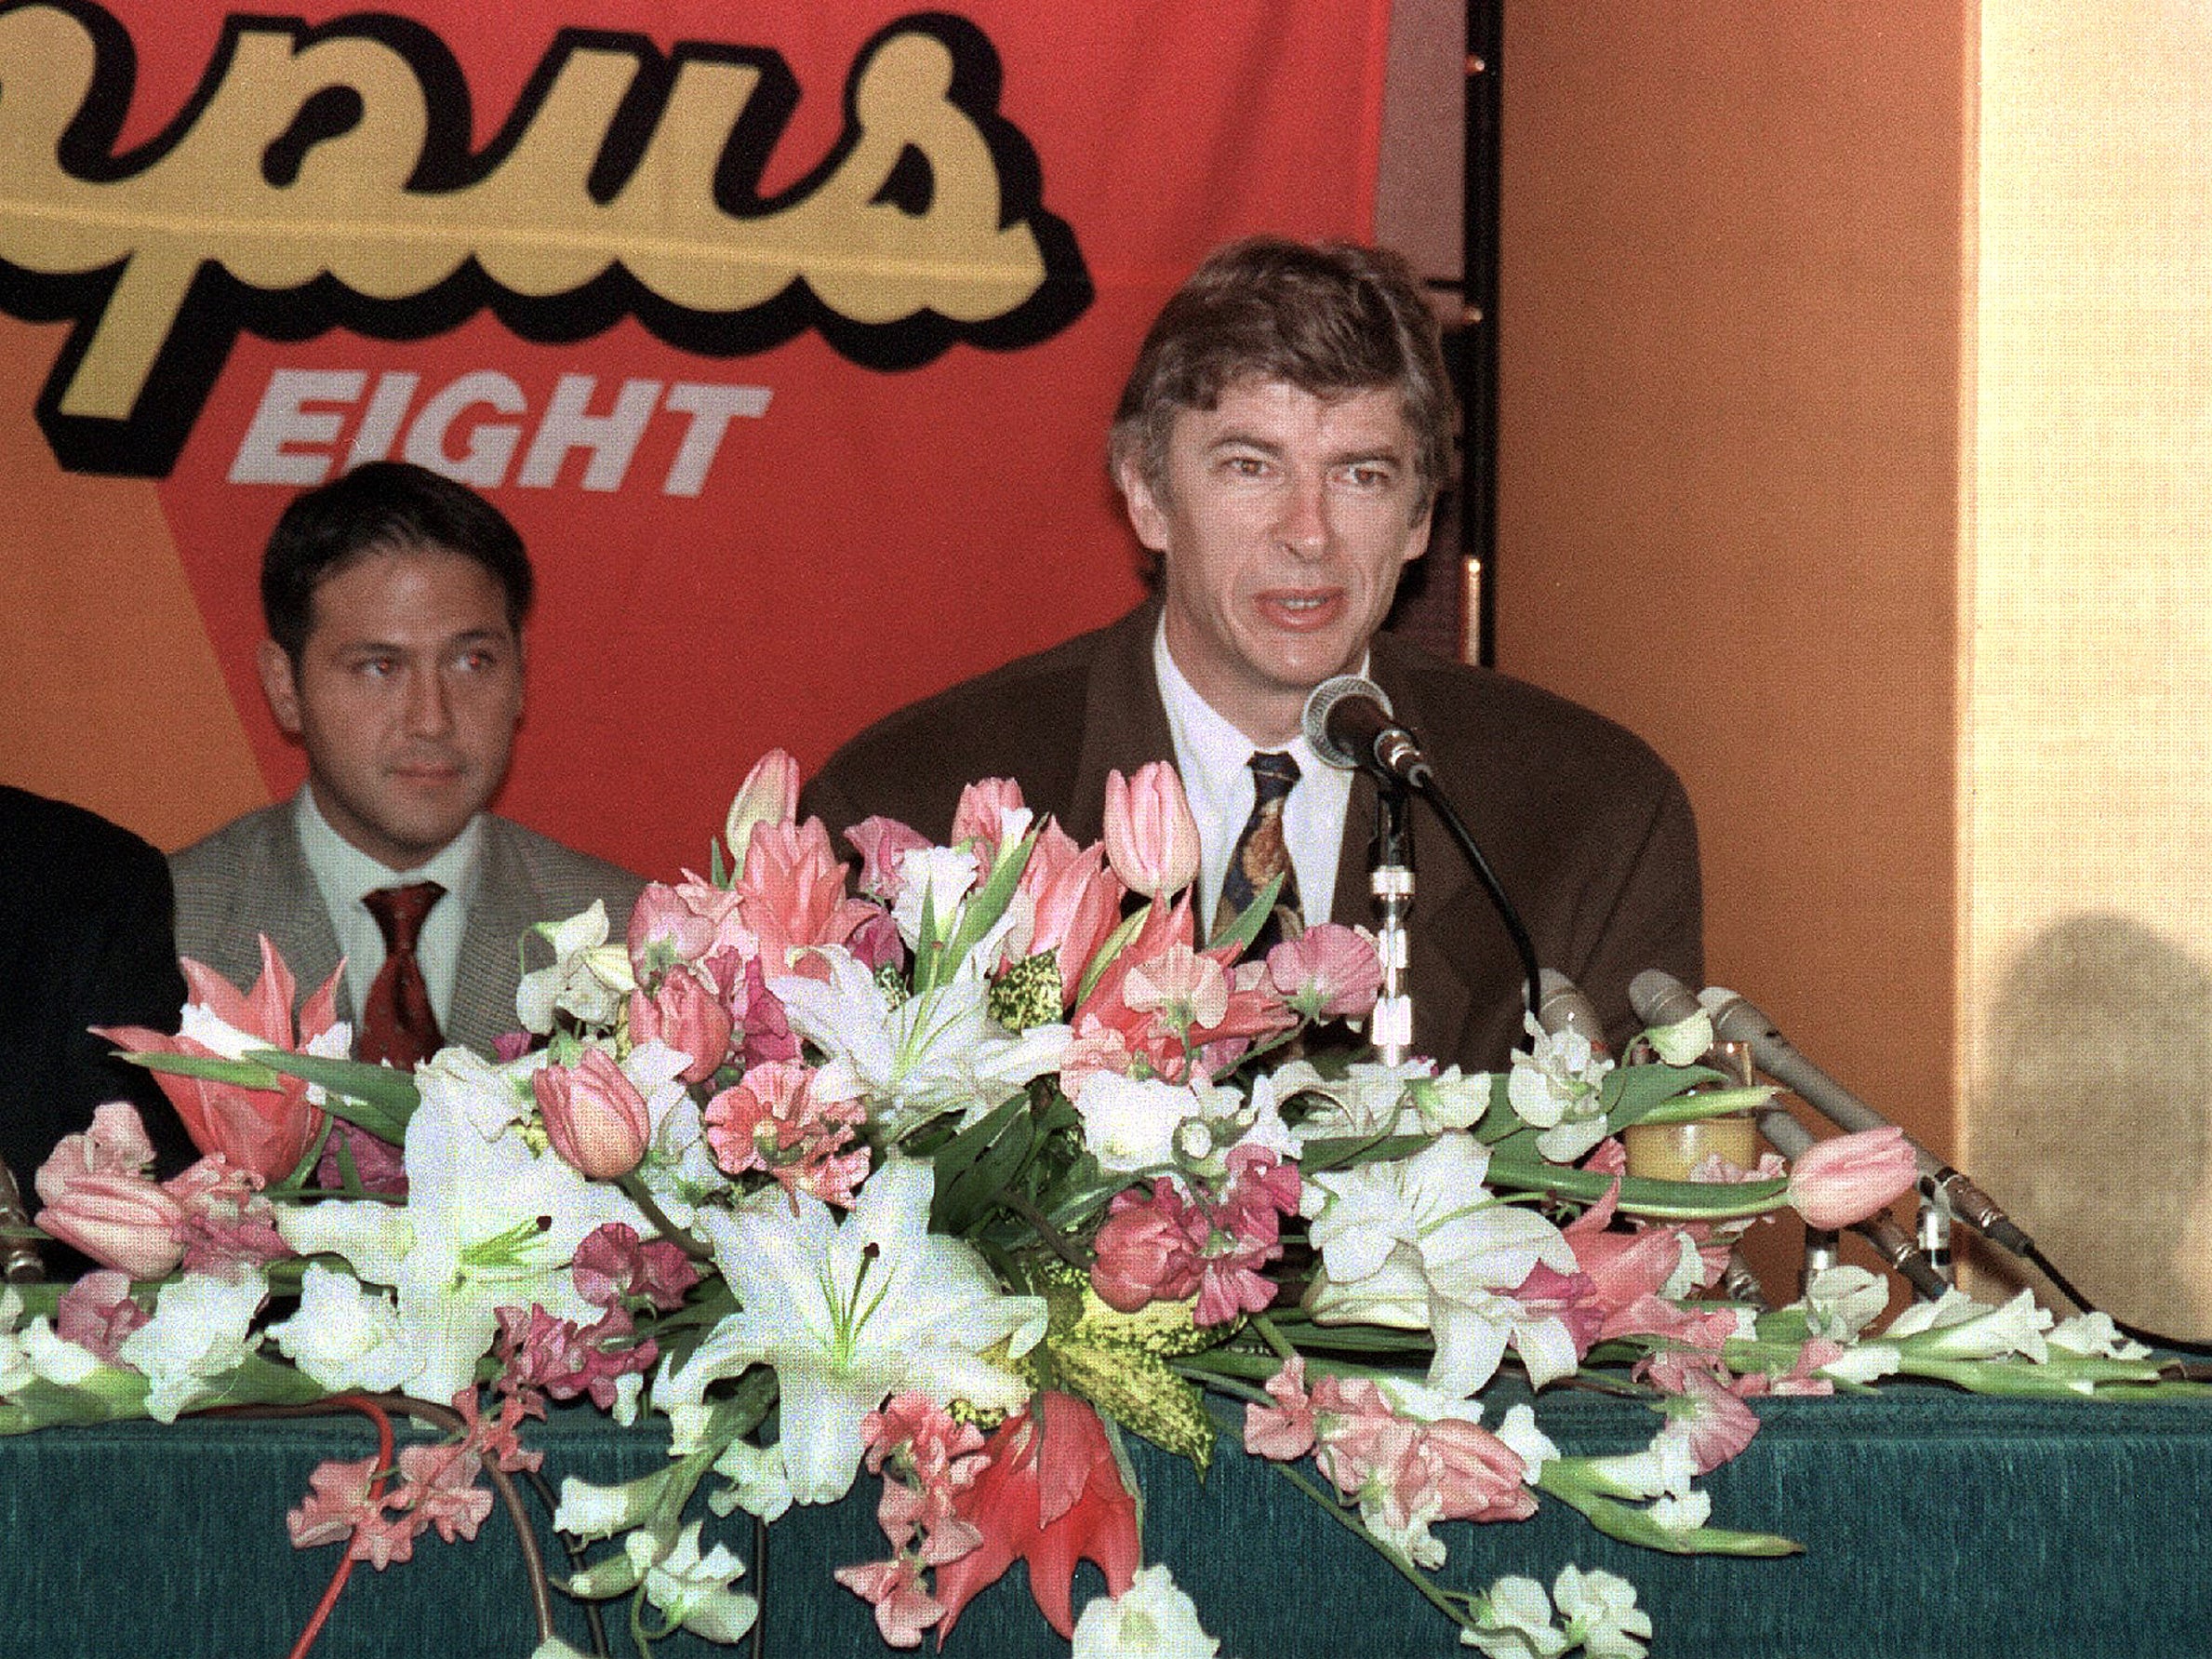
788 336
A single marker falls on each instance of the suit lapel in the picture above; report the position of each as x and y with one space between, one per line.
1125 723
504 907
279 897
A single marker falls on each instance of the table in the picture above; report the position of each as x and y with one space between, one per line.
1935 1524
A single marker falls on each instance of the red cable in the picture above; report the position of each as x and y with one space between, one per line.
375 1413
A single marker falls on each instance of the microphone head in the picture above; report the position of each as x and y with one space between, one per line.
1736 1020
1661 1000
1323 700
1561 1006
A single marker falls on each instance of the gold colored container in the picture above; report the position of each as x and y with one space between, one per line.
1670 1151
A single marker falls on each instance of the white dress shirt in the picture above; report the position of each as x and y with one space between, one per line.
1213 757
343 874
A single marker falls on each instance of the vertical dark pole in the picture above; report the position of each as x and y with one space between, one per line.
1476 362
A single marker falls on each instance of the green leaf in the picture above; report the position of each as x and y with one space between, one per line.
957 1155
381 1097
246 1074
1631 1524
1665 1200
1340 1152
1629 1091
1696 1107
1254 916
972 1195
981 912
1115 943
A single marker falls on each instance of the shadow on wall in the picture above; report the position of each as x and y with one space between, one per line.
2090 1124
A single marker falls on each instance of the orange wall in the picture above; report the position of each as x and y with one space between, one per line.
1729 457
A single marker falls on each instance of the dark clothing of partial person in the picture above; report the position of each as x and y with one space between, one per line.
85 940
1589 832
251 877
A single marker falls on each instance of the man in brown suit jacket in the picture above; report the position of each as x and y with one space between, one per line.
1280 446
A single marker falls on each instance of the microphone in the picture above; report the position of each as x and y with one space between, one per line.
1735 1018
19 1260
1561 1007
1348 723
1661 999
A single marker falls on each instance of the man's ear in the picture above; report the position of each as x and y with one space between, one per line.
1417 539
1146 516
279 685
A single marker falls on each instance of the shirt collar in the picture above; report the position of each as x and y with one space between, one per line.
345 873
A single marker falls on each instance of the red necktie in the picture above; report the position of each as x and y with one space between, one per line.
398 1025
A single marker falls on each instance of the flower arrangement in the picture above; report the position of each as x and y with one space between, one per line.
967 1173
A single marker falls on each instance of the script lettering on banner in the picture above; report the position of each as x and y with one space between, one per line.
323 176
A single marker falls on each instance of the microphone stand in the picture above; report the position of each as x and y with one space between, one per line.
1390 1028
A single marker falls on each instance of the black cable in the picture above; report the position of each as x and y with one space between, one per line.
1432 792
2153 1339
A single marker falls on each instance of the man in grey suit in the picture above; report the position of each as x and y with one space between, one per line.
394 600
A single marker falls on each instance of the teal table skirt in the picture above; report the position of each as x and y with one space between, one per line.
1935 1524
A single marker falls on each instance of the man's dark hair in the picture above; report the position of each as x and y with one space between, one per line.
382 507
1332 320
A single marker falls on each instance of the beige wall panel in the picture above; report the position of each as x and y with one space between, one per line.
2089 842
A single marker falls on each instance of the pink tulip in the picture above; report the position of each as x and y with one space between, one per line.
1846 1180
689 1018
124 1221
262 1130
115 1144
981 814
881 843
769 794
791 894
1152 840
1077 904
594 1114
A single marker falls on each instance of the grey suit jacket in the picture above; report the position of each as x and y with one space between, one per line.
251 877
1589 832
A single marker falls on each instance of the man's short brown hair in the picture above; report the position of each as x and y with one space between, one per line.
1332 320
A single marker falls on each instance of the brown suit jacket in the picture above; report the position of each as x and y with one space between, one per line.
251 877
1588 830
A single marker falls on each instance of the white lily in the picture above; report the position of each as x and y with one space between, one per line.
1421 1244
345 1336
847 1314
919 1056
202 1331
588 977
489 1224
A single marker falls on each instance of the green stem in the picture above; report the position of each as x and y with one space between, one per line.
1058 1241
659 1217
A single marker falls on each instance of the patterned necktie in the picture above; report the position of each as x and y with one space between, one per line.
1261 856
398 1025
